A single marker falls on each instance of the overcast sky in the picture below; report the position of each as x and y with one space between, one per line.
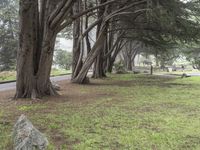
64 44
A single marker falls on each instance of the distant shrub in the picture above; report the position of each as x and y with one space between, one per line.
119 68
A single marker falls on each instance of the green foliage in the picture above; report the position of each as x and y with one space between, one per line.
30 107
7 75
57 72
8 34
167 24
119 67
167 57
11 75
5 139
63 59
193 55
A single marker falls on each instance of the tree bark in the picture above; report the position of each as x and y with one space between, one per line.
114 55
98 69
77 56
95 51
27 48
36 47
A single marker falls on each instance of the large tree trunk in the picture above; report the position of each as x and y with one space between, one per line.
110 65
98 69
99 64
27 48
36 47
44 86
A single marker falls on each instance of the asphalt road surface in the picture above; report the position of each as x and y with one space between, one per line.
11 86
177 75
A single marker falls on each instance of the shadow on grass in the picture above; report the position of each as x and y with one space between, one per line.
143 80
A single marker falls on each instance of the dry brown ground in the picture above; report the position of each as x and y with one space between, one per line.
69 93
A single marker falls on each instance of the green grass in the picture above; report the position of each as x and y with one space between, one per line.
5 133
7 76
30 107
11 75
56 72
133 112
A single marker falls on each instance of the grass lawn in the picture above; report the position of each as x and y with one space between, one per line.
57 72
7 76
121 112
11 75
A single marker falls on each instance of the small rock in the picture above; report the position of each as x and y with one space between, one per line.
27 137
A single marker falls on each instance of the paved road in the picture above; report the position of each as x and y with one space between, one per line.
11 86
194 74
177 75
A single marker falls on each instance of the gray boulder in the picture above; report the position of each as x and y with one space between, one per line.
27 137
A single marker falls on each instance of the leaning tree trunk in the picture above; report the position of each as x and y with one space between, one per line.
95 51
98 69
99 64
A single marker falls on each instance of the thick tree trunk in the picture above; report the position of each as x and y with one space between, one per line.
35 53
100 64
110 66
129 64
44 86
27 48
98 70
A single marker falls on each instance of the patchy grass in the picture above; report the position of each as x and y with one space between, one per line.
11 75
57 72
7 76
125 112
5 132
